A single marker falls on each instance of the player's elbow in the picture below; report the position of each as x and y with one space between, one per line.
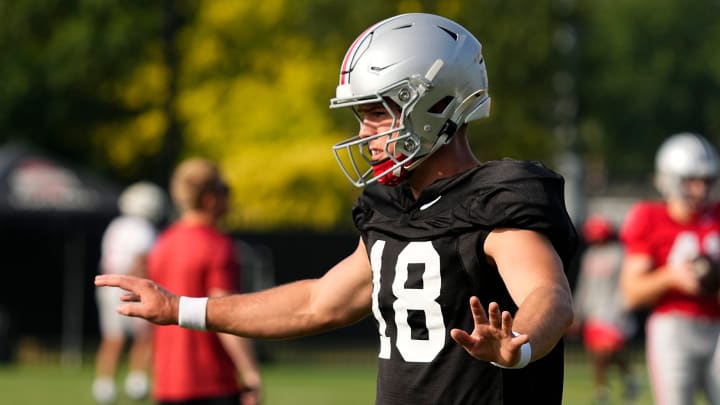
565 311
559 302
321 317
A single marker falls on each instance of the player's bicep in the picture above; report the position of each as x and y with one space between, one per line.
526 261
344 293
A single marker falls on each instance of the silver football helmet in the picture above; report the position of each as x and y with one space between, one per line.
683 156
143 199
432 68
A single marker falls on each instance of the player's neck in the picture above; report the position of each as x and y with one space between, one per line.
197 217
681 212
454 158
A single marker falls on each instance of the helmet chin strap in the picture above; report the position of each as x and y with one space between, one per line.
400 173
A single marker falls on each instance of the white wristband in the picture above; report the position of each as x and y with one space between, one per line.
191 312
525 356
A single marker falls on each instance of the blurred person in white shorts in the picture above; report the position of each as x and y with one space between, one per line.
601 316
125 245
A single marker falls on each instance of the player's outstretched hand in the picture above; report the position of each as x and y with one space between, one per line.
492 339
144 299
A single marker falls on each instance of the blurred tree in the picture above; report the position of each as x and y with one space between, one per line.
649 69
255 96
60 63
247 84
130 87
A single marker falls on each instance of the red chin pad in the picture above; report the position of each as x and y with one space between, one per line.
393 177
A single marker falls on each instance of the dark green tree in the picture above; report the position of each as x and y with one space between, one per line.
60 61
648 70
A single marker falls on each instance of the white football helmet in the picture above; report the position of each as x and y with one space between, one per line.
683 156
143 199
428 65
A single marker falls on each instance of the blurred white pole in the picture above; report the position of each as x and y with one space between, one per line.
568 161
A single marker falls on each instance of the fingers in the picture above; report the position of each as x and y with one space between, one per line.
520 340
130 297
116 280
131 310
492 338
479 316
124 310
502 321
495 318
507 323
131 284
507 330
462 338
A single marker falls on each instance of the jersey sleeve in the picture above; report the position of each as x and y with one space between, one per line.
526 195
635 229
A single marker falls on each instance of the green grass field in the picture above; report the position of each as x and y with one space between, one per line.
294 376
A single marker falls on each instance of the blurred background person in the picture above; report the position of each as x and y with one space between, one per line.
663 241
601 316
192 256
124 249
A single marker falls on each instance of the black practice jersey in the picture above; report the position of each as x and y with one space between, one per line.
427 261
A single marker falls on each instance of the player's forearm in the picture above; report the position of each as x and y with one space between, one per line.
642 290
278 313
545 315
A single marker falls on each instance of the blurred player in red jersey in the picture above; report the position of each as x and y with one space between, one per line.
442 236
662 239
193 256
124 248
600 309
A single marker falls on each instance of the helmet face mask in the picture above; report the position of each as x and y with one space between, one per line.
401 146
432 69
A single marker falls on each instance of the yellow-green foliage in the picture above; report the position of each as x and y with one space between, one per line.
255 100
265 119
141 133
253 85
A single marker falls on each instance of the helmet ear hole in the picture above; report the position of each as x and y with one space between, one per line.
441 106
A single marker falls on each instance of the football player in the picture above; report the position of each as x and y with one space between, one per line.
662 240
193 257
124 249
600 311
461 262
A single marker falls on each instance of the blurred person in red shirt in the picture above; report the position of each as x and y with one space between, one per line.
663 242
193 256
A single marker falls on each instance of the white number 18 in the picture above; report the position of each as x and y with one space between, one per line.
422 299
